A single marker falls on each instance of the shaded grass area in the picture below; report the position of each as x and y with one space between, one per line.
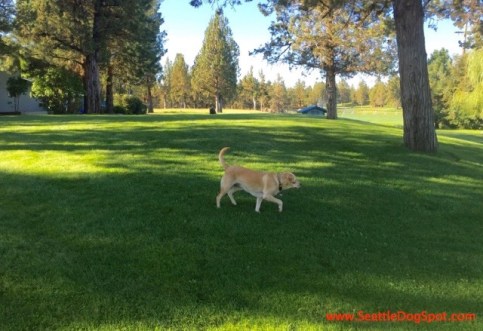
109 222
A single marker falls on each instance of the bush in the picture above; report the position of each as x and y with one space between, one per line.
118 110
59 90
128 104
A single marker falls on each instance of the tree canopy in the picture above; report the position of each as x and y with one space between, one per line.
80 36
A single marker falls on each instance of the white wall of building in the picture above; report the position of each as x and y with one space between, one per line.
27 104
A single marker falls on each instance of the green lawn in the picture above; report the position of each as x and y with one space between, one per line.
377 115
109 223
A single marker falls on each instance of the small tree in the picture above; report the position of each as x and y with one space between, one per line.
16 86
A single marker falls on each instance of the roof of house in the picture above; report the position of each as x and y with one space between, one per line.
310 109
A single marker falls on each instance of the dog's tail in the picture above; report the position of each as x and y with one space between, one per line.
221 157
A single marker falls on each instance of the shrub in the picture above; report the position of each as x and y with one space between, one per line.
128 104
59 90
119 110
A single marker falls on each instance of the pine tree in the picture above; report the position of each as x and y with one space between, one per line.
249 90
179 79
344 92
377 94
80 35
440 79
361 94
278 96
165 83
216 67
317 95
263 91
393 91
300 94
325 38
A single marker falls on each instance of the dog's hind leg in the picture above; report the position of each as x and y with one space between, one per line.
218 197
231 191
223 191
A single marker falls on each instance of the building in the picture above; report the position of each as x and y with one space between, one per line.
312 110
27 104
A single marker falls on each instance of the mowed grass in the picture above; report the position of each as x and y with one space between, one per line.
109 223
377 115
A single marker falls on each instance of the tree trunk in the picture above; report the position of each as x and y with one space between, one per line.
218 103
418 115
109 93
149 98
331 91
92 86
254 103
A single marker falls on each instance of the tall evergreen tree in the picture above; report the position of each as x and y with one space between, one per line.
393 91
77 34
249 90
263 91
165 83
300 93
361 94
344 91
440 79
377 94
278 96
148 50
179 79
216 67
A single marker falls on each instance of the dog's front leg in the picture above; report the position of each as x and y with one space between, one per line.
259 202
271 198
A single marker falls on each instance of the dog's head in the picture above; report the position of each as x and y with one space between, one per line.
288 180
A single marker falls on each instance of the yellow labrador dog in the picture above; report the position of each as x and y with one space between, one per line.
262 185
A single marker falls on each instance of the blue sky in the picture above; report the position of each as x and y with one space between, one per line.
185 26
